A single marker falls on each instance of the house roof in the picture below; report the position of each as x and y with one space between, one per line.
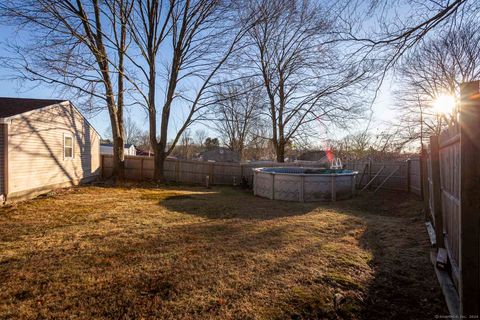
13 106
126 145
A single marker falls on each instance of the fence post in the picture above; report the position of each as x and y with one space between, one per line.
141 169
177 171
102 166
469 199
212 170
436 190
424 182
369 170
421 160
408 175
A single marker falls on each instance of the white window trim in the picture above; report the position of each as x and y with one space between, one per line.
68 135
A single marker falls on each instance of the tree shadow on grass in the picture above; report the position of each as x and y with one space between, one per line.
222 203
236 256
203 270
404 285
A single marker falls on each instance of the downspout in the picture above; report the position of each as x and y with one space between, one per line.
5 123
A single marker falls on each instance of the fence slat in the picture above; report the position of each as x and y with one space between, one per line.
436 190
470 202
425 183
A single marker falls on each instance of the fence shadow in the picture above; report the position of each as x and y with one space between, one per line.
228 203
403 275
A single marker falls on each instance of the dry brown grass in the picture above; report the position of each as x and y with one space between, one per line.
176 252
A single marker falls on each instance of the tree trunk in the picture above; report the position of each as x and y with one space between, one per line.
280 151
159 163
119 137
118 171
115 111
116 121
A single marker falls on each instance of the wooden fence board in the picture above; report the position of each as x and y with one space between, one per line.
469 164
459 204
224 173
449 153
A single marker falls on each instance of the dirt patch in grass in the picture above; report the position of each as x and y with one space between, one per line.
195 253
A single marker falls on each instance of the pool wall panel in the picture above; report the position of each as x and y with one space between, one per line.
293 185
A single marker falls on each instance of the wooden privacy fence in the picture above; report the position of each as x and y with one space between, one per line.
190 171
393 175
452 202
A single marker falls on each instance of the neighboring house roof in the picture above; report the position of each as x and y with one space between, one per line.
14 106
141 152
126 145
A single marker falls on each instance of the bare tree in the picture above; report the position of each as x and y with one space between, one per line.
437 66
237 111
199 35
79 46
352 146
259 146
390 35
305 81
143 143
200 136
132 131
380 145
185 147
211 143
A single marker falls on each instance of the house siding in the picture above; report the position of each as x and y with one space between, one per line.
35 150
3 128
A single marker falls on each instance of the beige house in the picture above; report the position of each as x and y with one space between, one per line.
44 144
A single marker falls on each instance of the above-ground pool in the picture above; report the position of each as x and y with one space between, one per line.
304 184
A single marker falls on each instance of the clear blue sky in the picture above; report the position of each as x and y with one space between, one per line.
381 109
101 121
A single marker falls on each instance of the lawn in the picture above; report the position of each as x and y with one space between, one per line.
195 253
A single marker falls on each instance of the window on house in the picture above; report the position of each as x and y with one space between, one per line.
68 147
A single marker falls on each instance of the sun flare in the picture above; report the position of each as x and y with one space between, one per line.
444 104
